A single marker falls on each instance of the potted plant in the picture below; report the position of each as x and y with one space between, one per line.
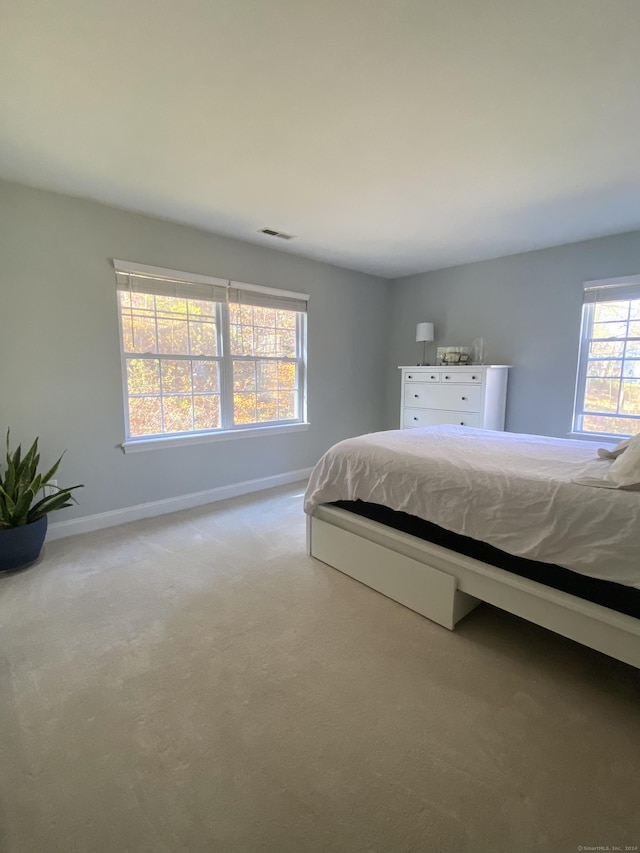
24 504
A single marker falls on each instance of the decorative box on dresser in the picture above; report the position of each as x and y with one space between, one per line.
471 395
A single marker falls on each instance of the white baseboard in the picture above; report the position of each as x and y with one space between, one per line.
87 523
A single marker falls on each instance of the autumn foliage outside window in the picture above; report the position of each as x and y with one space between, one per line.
196 365
265 376
608 391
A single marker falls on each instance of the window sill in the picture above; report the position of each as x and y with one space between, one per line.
590 436
135 445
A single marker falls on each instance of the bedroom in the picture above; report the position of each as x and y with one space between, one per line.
526 204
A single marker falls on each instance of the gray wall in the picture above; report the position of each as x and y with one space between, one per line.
60 360
527 307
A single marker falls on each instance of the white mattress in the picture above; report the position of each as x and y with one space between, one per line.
512 491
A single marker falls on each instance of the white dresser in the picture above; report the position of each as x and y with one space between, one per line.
471 395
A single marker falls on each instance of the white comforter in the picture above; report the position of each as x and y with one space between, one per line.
512 491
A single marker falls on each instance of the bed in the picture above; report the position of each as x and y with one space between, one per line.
443 518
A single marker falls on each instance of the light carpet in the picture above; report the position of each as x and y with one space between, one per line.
196 682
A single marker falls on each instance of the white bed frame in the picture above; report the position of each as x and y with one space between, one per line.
444 586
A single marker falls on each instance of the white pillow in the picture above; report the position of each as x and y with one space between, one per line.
603 453
625 470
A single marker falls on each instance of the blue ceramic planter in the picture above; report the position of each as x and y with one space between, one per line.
21 546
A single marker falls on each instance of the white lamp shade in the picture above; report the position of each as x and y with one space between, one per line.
424 332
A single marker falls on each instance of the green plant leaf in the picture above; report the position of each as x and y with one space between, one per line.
50 473
53 502
10 503
22 508
17 455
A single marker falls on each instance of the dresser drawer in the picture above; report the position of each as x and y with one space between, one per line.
419 394
429 417
421 375
461 376
458 398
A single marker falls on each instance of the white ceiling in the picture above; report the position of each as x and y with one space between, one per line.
390 136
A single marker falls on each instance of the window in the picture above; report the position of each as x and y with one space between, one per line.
203 356
608 385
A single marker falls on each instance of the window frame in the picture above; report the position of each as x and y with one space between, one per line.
224 358
623 289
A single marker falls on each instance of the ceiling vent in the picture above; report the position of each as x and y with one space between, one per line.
271 232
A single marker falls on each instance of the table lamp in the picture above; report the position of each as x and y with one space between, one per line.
424 333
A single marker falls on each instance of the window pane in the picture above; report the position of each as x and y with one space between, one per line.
632 368
176 376
634 329
267 375
143 376
144 333
630 404
241 340
609 330
286 345
287 405
286 319
178 414
611 426
287 374
143 302
634 312
264 341
264 317
202 337
244 408
127 337
267 406
604 368
601 395
127 327
201 308
206 411
172 337
263 331
606 349
611 311
171 306
145 416
205 376
633 349
244 376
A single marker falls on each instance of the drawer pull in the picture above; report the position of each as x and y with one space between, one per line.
463 398
409 377
416 396
461 423
474 377
446 377
415 419
433 377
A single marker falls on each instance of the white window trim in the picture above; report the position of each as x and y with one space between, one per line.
133 444
604 285
595 436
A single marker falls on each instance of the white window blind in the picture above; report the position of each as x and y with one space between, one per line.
613 289
166 287
244 294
